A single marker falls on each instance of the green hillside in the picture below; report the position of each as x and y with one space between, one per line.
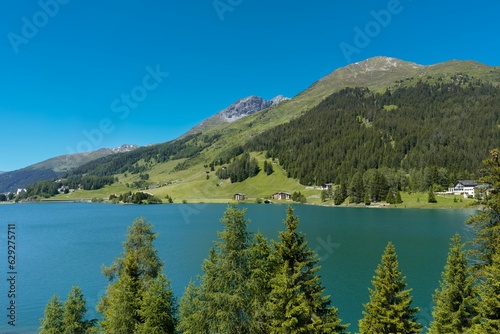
182 168
47 170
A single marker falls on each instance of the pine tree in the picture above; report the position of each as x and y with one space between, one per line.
223 296
390 198
389 309
263 266
139 244
486 249
431 198
455 309
121 314
128 305
191 319
489 299
296 300
486 224
52 323
158 308
74 313
288 306
367 199
357 189
398 199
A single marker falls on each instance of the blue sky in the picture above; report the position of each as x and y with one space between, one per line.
78 75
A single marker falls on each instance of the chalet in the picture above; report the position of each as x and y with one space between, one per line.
239 197
464 188
282 195
327 186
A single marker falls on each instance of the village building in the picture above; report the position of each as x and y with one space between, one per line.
239 197
327 186
282 196
469 188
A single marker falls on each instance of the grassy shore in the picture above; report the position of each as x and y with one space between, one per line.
199 184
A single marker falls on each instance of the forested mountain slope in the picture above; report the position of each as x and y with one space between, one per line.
442 125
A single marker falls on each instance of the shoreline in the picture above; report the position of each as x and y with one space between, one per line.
430 206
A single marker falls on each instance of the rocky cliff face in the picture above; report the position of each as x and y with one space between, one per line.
124 148
247 106
241 108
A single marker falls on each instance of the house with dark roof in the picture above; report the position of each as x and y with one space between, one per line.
464 188
239 197
282 195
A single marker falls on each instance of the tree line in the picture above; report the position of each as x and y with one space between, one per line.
252 285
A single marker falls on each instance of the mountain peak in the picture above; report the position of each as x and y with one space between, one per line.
124 148
247 106
242 108
381 63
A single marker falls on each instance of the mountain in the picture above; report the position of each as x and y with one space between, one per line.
53 167
328 128
238 110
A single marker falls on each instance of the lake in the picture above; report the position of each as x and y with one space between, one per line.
64 244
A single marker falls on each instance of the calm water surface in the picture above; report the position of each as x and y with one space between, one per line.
65 244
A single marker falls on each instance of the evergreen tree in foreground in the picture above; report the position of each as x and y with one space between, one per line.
222 302
263 264
489 299
52 323
67 317
486 250
455 308
389 309
132 303
486 224
296 304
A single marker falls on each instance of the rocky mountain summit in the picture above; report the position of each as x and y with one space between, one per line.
239 109
247 106
124 148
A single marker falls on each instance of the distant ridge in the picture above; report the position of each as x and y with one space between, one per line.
53 167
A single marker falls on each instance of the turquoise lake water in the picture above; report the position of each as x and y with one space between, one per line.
64 244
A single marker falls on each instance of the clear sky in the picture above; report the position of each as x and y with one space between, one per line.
78 75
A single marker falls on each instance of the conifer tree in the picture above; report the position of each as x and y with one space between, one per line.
486 250
431 198
74 313
157 308
357 189
390 198
223 296
398 199
489 299
486 224
389 309
455 309
121 314
191 319
262 269
296 302
127 306
52 323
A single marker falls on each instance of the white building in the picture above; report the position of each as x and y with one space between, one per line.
464 188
